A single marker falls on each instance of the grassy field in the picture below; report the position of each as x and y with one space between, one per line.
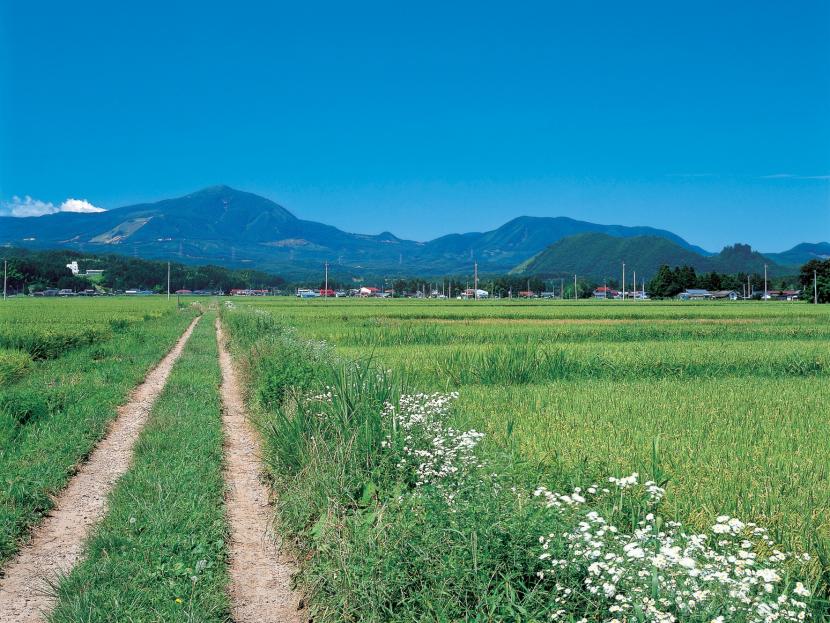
398 507
54 410
735 392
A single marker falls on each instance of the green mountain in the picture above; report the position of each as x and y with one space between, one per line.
221 225
600 256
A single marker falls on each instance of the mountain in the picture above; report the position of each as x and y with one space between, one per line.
221 225
599 256
802 253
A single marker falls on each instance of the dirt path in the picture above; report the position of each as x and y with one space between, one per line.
260 588
57 543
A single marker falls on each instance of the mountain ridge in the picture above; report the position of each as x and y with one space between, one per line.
598 255
220 224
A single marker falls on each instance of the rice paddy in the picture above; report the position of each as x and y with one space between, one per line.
415 450
735 394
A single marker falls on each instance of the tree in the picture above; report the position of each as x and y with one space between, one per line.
821 269
665 283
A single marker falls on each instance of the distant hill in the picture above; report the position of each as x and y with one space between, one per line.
802 253
221 225
599 256
236 229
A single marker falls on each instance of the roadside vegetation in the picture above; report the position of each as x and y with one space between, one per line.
54 409
414 494
160 552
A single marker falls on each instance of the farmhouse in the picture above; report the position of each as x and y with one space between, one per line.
368 291
694 294
604 292
472 293
784 295
731 295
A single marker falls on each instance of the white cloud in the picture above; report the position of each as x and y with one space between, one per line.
79 205
27 206
793 176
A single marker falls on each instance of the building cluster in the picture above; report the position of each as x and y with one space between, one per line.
696 294
604 293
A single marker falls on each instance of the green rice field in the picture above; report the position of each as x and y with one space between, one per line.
733 394
362 405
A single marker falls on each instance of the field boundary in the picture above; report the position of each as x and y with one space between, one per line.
261 574
57 543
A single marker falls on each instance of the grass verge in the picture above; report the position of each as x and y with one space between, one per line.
159 554
52 418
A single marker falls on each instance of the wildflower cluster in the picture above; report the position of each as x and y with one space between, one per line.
658 572
326 394
433 452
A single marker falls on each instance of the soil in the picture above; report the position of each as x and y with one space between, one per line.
261 574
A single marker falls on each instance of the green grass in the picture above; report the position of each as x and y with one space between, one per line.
52 417
160 553
735 391
382 544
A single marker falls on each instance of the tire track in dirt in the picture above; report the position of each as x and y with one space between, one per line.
57 543
260 588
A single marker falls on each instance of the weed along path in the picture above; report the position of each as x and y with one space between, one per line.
260 587
57 544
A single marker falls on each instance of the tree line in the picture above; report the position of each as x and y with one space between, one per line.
32 271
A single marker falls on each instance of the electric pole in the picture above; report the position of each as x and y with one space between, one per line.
623 282
576 294
326 283
635 286
766 294
168 281
5 267
815 288
475 279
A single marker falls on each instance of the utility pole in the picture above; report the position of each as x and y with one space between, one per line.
766 295
748 288
815 288
576 294
326 291
168 281
635 286
475 279
5 270
562 288
623 283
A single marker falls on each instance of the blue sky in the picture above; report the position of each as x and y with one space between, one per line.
426 118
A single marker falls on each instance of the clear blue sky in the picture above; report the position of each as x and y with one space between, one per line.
711 119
